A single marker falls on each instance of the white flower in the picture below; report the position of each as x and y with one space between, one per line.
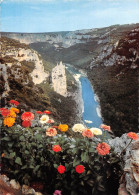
78 128
44 119
96 131
88 122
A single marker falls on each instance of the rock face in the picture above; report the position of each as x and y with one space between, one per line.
59 81
129 184
22 55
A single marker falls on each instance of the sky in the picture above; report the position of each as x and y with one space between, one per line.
65 15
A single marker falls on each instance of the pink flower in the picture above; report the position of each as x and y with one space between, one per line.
87 133
105 127
51 131
50 121
57 192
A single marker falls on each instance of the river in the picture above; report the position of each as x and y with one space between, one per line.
91 109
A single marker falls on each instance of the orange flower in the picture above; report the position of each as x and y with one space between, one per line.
51 131
15 110
87 133
12 114
9 121
2 155
103 148
63 127
133 135
105 127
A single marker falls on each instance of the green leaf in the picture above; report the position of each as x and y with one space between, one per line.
38 137
18 161
27 152
55 166
84 157
76 162
12 154
6 139
21 138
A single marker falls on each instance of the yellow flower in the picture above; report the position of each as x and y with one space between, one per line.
15 110
63 127
9 121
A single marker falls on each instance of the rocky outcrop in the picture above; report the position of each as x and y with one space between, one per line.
129 184
59 81
23 55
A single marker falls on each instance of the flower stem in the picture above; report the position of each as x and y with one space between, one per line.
126 147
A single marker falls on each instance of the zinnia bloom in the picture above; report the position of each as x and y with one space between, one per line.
105 127
27 116
14 102
26 124
15 110
47 112
80 169
12 114
57 192
63 127
96 131
5 112
78 128
87 133
61 169
9 121
50 121
133 135
103 148
44 119
51 131
56 148
38 112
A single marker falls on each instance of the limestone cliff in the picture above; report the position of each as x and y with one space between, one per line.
59 81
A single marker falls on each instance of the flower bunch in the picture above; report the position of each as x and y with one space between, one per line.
9 116
27 117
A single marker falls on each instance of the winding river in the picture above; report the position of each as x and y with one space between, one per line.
91 109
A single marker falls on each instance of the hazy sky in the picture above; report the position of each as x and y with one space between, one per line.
65 15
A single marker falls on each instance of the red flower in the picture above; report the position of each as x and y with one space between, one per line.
14 102
105 127
56 127
61 169
39 112
56 148
26 124
47 112
133 135
4 112
80 169
27 116
103 148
